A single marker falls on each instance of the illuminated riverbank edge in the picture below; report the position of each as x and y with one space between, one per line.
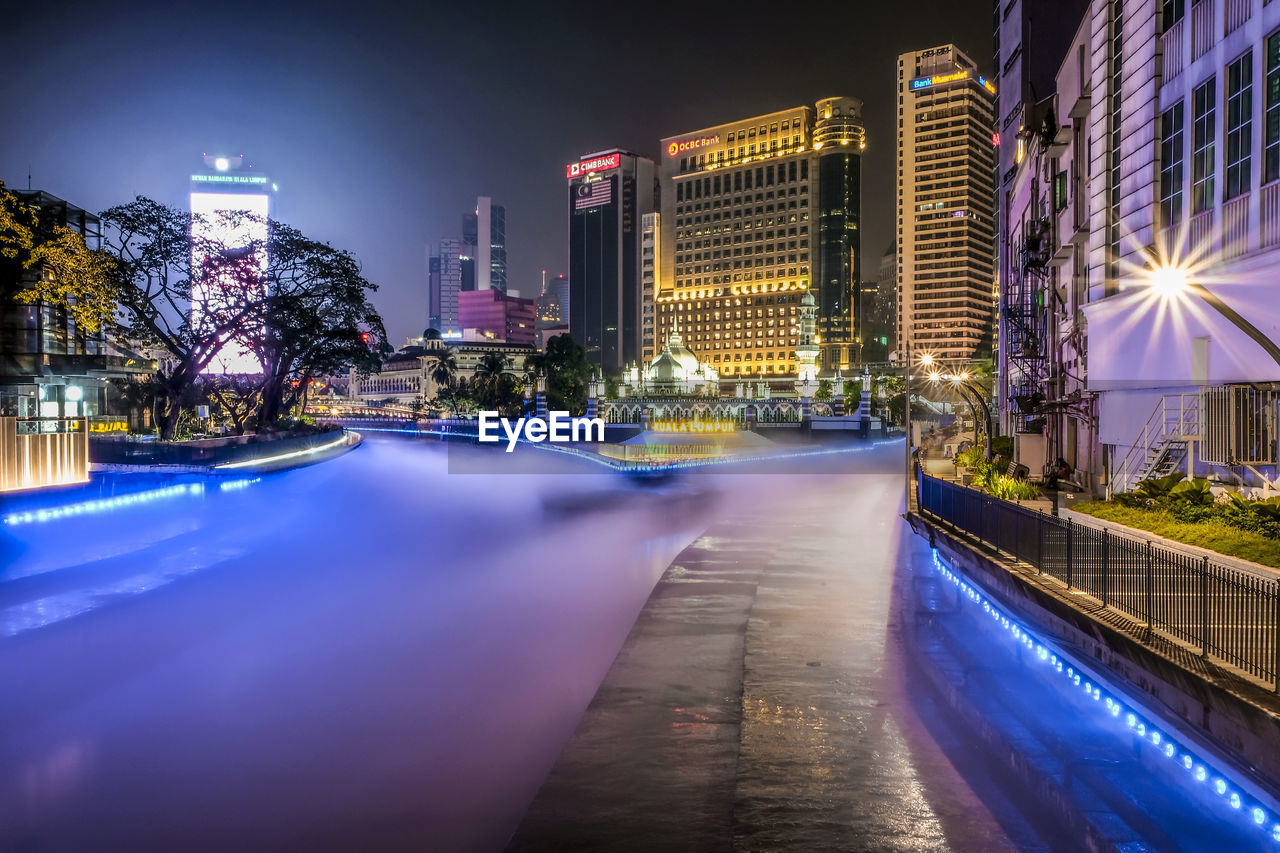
1241 800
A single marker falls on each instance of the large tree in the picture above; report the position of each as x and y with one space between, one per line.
495 388
159 262
568 374
48 262
316 320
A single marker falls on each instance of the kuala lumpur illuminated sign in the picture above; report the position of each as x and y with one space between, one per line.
682 145
595 164
693 426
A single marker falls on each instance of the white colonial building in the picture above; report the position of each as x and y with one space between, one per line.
1154 235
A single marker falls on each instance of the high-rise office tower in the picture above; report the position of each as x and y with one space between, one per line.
230 204
650 258
755 214
484 234
946 205
444 283
609 192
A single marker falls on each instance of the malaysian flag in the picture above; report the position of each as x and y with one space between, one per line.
593 194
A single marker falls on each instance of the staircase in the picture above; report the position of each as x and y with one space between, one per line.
1164 444
1163 459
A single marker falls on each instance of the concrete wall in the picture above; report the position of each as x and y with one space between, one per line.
1228 715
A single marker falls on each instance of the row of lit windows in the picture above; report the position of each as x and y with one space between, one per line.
711 242
718 201
743 179
774 127
764 210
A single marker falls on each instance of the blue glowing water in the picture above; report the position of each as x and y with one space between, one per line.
374 653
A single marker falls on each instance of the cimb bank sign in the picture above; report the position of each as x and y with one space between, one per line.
557 428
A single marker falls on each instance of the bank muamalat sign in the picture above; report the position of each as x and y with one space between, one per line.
595 164
680 146
557 428
939 79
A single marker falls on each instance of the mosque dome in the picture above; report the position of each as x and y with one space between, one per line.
666 368
687 360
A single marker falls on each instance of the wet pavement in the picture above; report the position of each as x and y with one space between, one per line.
760 701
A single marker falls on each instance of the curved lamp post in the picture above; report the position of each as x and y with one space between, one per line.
1172 280
963 382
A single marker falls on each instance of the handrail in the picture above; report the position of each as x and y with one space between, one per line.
1224 612
1165 422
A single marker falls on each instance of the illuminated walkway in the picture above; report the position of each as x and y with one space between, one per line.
807 676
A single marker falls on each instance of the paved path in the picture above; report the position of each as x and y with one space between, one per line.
758 702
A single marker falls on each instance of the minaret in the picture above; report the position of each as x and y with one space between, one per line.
807 350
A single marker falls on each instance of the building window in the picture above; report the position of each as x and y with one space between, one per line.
1202 139
1272 170
1239 124
1171 165
1059 191
1171 11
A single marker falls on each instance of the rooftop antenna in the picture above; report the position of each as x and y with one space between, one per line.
28 176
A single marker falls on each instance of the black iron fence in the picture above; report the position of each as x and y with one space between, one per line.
1226 613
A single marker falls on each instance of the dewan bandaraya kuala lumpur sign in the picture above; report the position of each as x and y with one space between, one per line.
594 164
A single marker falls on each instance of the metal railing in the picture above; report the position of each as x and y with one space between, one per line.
1239 425
1226 613
1176 417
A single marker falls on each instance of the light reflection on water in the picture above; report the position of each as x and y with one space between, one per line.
396 654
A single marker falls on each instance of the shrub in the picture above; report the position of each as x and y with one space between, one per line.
1013 489
1194 491
1157 488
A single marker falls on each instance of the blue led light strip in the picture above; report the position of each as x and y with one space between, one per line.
107 504
1250 810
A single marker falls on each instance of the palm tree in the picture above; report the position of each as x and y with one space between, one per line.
445 368
488 380
491 366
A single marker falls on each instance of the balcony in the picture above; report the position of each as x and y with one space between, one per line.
1235 227
1203 33
1271 214
1171 46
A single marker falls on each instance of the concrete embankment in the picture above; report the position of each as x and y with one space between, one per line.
1231 716
759 701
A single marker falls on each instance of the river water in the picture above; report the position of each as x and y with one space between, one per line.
376 653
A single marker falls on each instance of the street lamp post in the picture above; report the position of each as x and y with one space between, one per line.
1170 280
906 418
962 382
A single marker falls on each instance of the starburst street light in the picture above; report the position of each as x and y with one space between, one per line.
962 381
1172 280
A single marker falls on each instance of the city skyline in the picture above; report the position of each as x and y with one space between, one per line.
340 156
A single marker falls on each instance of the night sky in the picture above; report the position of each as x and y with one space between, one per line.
382 122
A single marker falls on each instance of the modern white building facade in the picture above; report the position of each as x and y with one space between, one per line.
1163 305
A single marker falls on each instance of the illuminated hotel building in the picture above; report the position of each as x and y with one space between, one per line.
229 186
609 193
946 204
756 213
